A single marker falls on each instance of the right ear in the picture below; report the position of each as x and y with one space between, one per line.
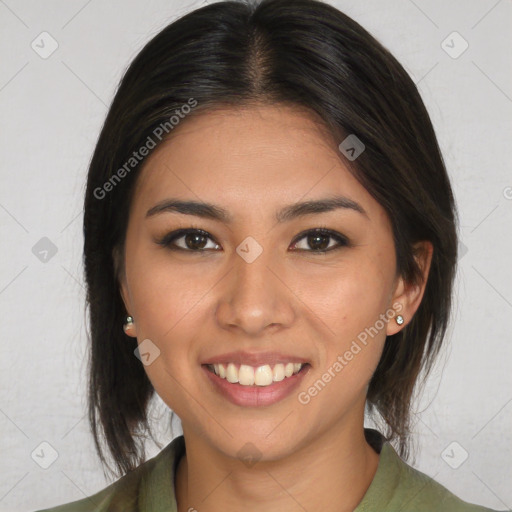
120 275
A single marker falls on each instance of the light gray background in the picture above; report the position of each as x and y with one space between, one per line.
51 112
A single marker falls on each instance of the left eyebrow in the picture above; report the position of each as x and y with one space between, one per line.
286 214
295 210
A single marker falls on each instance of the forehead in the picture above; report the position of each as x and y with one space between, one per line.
248 160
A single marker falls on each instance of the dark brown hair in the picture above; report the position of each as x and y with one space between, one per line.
303 53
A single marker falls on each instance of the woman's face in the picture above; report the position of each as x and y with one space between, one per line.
255 284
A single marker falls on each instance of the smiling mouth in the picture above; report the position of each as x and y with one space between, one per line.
264 375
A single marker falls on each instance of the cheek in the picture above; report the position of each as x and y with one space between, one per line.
165 295
347 298
168 307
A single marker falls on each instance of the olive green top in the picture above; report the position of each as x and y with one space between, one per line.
395 487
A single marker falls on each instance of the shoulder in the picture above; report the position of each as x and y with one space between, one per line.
121 495
411 490
138 491
398 486
423 493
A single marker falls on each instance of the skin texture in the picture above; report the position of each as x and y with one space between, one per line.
193 306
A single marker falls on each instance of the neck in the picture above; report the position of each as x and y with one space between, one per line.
330 474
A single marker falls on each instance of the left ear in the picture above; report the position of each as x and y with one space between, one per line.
409 295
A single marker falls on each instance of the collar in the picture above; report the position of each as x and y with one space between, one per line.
158 491
387 477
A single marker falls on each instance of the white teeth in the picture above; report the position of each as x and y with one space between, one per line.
232 373
246 375
263 375
278 373
260 376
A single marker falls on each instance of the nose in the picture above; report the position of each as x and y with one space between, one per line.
255 296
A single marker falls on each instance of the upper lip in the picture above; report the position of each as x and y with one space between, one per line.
254 358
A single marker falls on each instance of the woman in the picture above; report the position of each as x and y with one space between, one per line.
270 247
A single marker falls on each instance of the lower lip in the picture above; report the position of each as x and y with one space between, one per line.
256 396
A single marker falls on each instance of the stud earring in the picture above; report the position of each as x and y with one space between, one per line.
399 319
128 325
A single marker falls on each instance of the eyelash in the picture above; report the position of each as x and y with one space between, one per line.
168 239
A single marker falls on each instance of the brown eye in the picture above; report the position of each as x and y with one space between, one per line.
191 240
319 241
195 240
